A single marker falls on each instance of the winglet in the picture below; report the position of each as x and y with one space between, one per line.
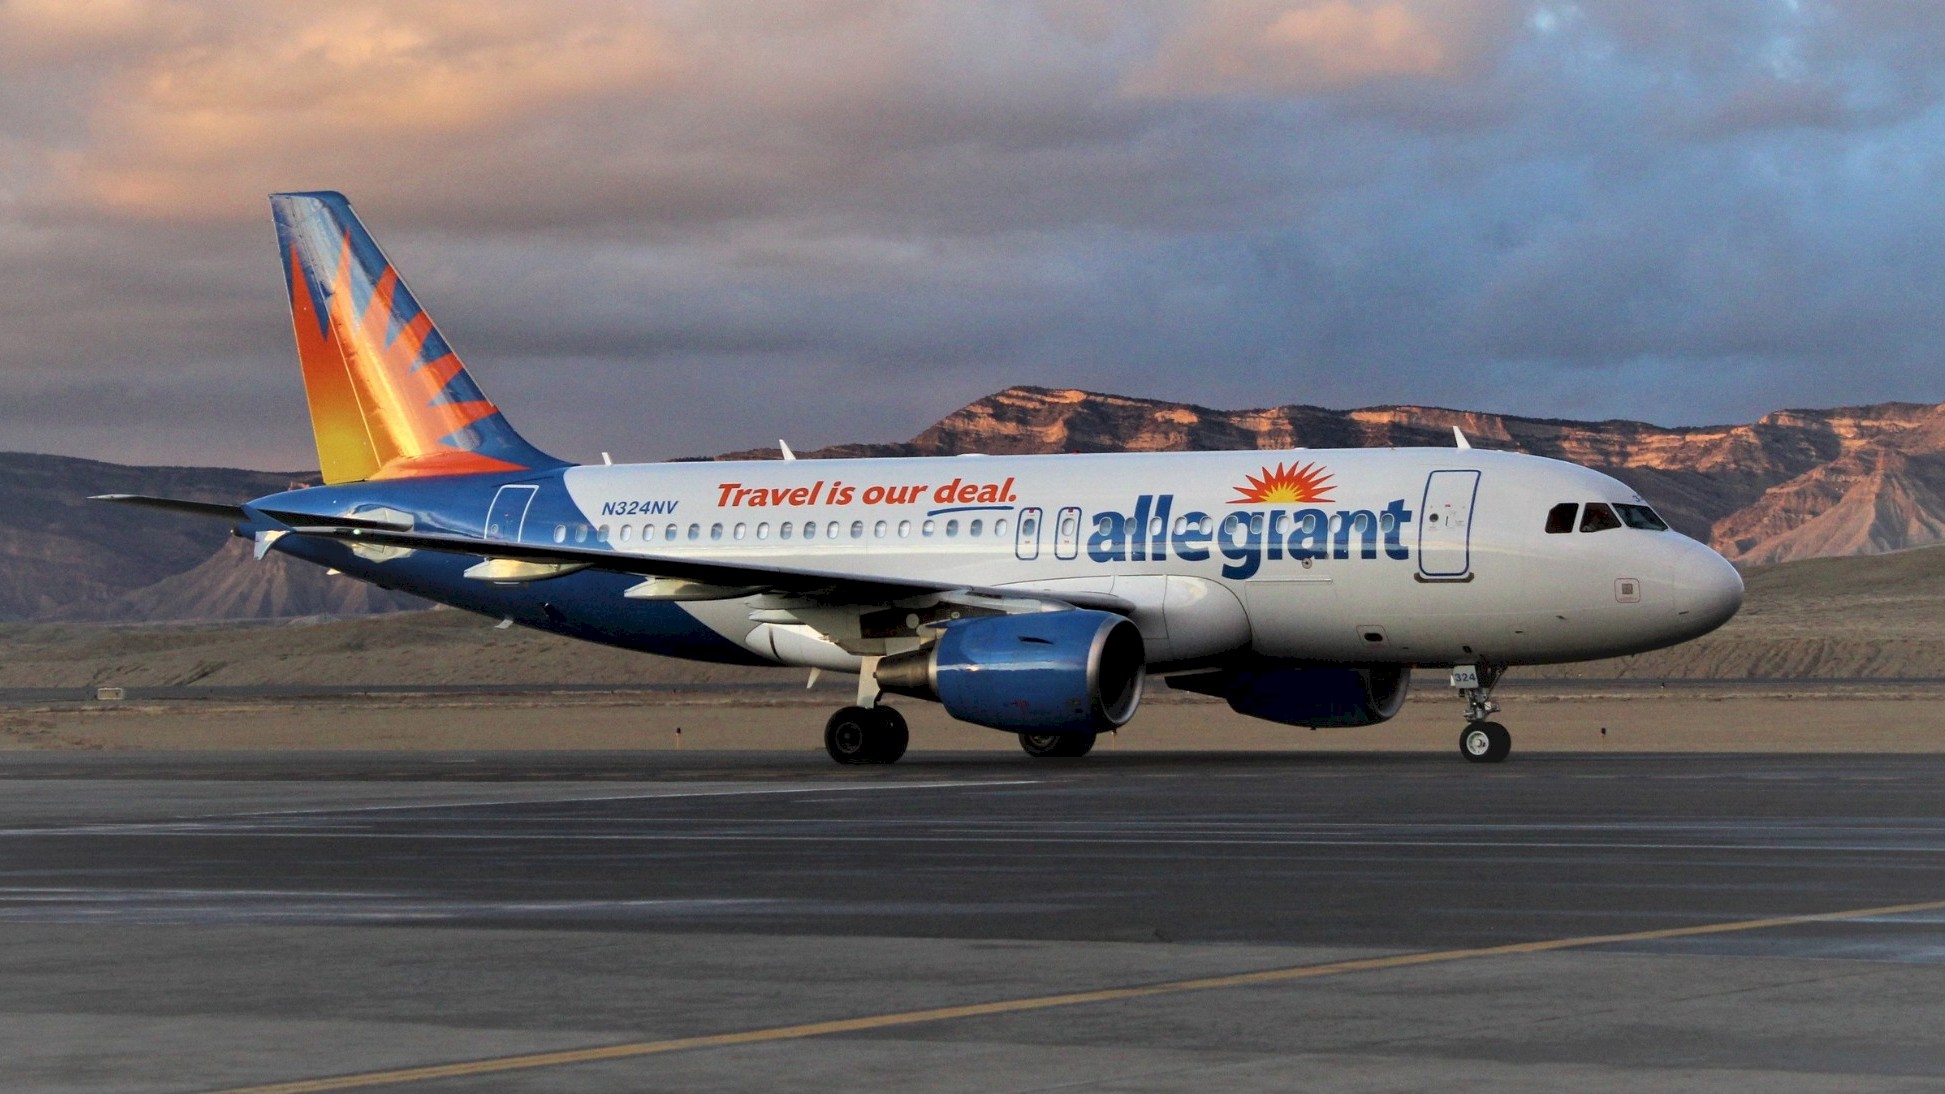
785 447
1460 438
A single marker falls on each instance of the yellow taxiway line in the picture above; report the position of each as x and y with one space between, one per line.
495 1065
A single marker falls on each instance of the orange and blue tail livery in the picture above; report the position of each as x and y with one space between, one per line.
389 398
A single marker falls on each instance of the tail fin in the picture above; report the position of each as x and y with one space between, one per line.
389 398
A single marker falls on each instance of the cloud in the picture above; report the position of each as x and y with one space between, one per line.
240 100
1276 47
681 227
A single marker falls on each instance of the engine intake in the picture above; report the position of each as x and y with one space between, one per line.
1063 672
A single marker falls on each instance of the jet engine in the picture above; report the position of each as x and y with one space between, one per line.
1307 695
1062 672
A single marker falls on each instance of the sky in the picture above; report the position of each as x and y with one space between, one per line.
683 228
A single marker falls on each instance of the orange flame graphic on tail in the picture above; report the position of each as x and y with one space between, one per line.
388 397
378 412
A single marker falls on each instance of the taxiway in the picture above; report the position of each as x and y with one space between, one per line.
1132 921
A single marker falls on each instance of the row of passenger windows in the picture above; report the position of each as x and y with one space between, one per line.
1599 516
810 530
950 529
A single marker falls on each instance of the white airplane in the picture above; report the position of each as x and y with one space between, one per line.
1032 594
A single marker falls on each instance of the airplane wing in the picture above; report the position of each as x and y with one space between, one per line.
825 585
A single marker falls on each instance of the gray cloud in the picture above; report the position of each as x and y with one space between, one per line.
682 228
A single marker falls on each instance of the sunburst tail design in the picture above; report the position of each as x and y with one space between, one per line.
389 399
1292 483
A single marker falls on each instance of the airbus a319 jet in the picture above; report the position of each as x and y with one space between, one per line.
1031 594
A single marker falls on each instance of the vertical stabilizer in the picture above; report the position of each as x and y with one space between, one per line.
389 399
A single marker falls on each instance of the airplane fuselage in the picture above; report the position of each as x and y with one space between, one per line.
1422 556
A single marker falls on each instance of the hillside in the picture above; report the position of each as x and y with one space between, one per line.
64 553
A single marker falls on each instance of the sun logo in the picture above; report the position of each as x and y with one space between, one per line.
1306 482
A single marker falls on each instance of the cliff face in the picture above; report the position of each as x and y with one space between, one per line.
1796 484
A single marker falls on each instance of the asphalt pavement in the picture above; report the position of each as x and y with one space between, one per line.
1128 922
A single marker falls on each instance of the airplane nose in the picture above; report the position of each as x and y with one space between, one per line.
1708 589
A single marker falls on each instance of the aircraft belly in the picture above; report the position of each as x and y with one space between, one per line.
1298 617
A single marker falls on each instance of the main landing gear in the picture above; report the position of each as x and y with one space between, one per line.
1057 745
866 735
1483 741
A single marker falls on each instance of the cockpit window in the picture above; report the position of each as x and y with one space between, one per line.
1560 518
1640 516
1598 518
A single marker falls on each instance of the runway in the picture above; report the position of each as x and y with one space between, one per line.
1133 921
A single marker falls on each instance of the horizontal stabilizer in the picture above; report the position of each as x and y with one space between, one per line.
177 505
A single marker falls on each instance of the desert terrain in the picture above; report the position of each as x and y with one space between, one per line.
1827 654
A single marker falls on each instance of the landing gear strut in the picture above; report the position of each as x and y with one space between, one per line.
866 735
1483 741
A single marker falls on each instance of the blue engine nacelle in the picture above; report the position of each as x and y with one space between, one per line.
1307 695
1061 672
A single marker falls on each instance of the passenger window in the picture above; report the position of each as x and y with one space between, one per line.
1640 516
740 530
1560 518
951 528
1029 528
976 528
904 529
715 531
627 531
1598 518
878 530
784 529
695 531
999 528
560 533
928 528
763 530
857 529
810 529
832 530
648 532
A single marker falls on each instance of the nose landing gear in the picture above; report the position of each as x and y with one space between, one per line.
1483 741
